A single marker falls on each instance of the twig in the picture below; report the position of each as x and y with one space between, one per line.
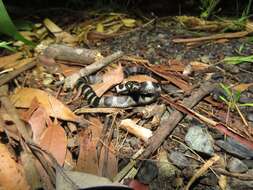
245 177
7 77
168 125
70 81
212 37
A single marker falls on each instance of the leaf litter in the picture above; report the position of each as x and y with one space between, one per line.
107 142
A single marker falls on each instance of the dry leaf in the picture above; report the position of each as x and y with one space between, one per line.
197 65
100 27
110 79
114 28
24 96
140 78
54 140
129 22
7 60
108 163
38 122
242 87
11 174
87 160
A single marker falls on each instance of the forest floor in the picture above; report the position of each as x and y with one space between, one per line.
196 135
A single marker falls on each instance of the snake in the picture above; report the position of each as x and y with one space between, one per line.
131 93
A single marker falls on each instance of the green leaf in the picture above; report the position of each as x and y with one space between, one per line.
237 96
224 100
247 104
238 59
226 89
6 46
8 28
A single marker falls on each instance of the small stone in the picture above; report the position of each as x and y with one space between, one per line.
179 159
237 166
198 139
245 77
250 116
246 98
161 35
235 148
217 93
148 172
217 77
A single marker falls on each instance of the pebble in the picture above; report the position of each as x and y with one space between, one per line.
198 139
245 77
237 166
148 172
179 159
235 148
246 98
250 116
217 92
217 77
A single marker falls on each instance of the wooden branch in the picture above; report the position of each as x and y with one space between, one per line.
72 55
212 37
168 125
70 81
7 77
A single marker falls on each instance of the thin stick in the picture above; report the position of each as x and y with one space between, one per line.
7 77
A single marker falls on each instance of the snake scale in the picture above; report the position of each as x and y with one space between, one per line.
130 93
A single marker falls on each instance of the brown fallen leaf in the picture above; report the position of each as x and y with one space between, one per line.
106 165
38 119
10 59
87 160
11 174
54 140
23 97
110 79
140 78
242 87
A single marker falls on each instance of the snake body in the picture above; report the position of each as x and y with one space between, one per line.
131 93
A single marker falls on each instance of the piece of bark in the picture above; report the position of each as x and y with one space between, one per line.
168 125
137 130
73 56
213 37
71 80
7 77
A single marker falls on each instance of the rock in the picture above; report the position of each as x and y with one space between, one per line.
235 148
237 166
217 77
235 183
179 159
245 77
250 116
148 172
246 98
249 163
217 92
198 139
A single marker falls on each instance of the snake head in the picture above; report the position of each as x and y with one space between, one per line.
132 86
